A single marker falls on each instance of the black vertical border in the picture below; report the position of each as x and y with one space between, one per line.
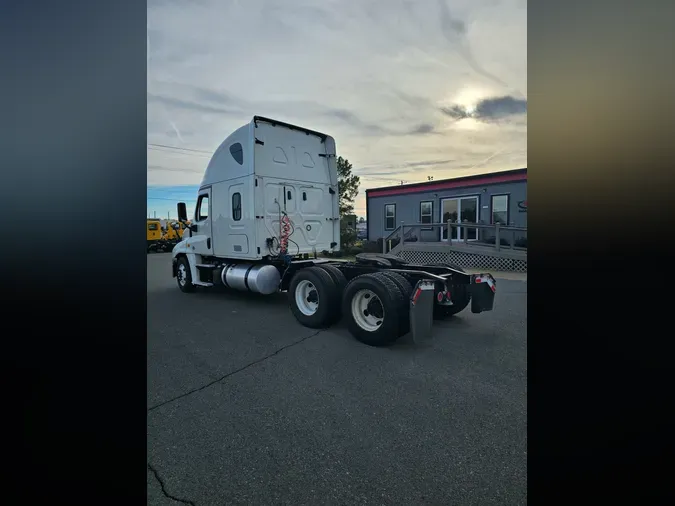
73 195
600 155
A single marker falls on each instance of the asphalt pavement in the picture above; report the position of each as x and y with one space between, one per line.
246 406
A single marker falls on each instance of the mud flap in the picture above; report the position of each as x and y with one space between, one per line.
483 288
422 311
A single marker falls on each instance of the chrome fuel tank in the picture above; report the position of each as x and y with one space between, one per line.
256 278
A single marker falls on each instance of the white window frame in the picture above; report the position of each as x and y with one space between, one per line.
385 216
431 213
508 204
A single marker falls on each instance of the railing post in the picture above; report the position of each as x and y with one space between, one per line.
449 232
498 242
384 245
402 235
466 236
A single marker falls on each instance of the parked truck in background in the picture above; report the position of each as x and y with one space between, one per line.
153 229
173 232
268 202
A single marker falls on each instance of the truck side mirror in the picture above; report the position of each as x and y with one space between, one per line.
182 211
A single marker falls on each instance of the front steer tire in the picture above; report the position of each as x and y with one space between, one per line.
391 300
184 276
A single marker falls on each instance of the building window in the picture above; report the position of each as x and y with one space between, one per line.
390 216
237 153
202 210
236 206
426 214
500 209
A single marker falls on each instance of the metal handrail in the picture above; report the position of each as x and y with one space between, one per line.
498 228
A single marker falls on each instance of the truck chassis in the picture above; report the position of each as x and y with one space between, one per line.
381 297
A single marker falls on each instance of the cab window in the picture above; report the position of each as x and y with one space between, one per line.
202 209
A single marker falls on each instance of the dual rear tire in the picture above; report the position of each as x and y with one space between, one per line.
375 306
314 296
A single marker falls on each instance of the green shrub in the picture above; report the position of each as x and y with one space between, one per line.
502 241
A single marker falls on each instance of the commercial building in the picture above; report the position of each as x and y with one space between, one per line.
498 197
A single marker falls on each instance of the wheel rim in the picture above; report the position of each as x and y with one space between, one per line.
306 298
367 310
182 275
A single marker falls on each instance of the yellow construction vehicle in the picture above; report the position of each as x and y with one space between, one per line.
173 234
154 234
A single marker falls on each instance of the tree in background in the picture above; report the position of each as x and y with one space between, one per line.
348 185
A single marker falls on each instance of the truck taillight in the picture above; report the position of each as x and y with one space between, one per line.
443 296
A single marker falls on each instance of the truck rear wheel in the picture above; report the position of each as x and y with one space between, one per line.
336 274
340 283
460 297
313 298
372 307
184 276
406 290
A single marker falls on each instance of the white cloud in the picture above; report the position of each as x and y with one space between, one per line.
372 73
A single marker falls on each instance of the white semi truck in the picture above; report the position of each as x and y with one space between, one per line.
268 203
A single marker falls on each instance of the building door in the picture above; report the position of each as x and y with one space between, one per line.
449 212
460 210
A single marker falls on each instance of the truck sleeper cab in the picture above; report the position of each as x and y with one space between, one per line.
268 202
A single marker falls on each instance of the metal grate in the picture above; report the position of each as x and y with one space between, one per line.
469 260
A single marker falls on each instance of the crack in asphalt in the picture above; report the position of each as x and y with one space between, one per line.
166 494
231 373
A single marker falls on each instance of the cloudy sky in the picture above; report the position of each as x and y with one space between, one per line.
408 88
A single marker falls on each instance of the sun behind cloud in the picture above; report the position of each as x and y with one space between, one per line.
405 94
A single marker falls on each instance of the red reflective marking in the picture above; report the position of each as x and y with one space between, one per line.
416 296
462 183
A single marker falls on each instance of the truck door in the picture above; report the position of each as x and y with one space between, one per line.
201 241
314 212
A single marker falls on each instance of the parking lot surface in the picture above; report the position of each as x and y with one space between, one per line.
245 406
